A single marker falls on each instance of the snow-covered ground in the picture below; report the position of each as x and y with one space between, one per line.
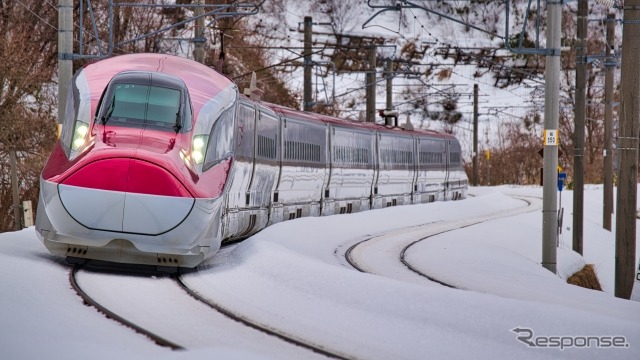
293 277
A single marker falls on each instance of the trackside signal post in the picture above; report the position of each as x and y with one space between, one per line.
562 176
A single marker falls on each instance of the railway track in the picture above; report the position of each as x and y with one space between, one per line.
269 330
112 315
398 243
358 255
208 315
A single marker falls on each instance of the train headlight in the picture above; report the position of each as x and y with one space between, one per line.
198 148
79 135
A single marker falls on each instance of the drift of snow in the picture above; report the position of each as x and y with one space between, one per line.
293 278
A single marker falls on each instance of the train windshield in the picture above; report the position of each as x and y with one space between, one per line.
135 104
149 100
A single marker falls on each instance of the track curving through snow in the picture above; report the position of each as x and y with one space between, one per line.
88 300
385 254
265 328
186 316
165 310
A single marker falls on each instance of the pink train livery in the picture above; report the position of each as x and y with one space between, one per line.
161 159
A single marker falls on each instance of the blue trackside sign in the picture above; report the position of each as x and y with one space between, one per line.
561 178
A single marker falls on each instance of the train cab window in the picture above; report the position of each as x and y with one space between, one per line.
142 102
144 99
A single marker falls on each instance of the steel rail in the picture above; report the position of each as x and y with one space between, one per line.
111 315
350 259
260 327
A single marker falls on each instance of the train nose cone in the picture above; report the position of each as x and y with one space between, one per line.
125 195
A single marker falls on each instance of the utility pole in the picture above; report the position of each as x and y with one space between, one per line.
389 75
475 134
628 151
17 214
308 91
65 54
607 209
371 85
198 36
579 121
389 85
551 115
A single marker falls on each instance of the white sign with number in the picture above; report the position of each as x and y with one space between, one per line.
635 290
551 137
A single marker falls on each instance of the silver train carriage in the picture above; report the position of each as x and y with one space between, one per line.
161 160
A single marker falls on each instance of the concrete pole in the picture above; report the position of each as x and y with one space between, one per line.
607 209
551 116
198 35
65 53
389 84
475 134
628 151
17 214
579 121
389 90
371 86
308 91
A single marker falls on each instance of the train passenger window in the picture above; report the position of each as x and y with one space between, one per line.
266 147
454 158
302 151
430 157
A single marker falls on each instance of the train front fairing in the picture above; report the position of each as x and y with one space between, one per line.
125 181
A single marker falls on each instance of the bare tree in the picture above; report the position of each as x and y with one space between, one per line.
27 96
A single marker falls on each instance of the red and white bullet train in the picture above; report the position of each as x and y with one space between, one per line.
161 159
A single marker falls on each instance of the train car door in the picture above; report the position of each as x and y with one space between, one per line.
236 219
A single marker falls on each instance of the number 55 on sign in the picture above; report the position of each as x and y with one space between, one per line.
551 137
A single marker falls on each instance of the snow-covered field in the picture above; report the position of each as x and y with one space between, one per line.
293 277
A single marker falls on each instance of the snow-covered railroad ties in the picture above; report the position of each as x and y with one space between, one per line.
386 254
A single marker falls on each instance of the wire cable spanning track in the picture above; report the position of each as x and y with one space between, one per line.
110 314
455 225
260 327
